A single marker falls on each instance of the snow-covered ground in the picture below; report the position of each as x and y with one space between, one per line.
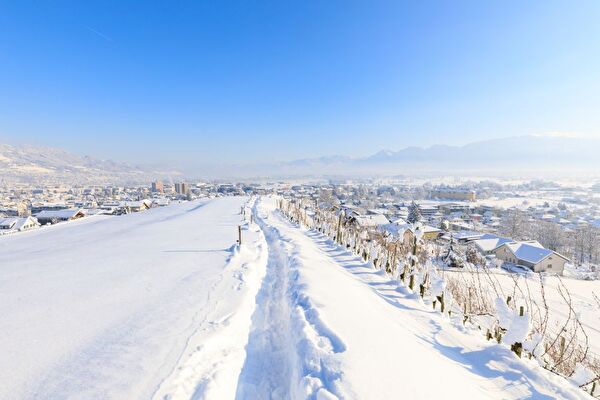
345 330
582 294
115 307
163 305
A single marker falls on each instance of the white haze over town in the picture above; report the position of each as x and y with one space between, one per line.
551 155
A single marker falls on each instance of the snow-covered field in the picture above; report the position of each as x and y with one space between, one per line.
109 307
161 305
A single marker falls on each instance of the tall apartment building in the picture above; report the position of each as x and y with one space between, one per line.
158 187
182 188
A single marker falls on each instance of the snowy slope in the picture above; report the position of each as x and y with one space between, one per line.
339 329
161 305
108 307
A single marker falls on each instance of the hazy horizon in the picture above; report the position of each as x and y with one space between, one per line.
550 156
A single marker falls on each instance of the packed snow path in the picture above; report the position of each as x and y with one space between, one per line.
339 329
122 307
267 372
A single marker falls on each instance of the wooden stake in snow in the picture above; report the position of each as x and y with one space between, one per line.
240 234
518 347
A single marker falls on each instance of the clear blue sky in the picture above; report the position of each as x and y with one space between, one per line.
225 81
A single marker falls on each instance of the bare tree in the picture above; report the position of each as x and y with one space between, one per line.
585 243
551 235
514 224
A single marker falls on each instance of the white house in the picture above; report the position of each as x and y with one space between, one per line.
489 242
137 206
17 224
160 202
531 255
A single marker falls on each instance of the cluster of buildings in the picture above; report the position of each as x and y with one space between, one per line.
180 188
458 215
471 215
24 208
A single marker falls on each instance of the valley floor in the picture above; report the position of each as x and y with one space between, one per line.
161 305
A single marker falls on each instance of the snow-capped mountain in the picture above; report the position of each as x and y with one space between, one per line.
32 163
523 150
524 155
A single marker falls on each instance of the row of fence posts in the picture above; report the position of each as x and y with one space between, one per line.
243 213
298 216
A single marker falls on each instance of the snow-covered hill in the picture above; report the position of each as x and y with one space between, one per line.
33 164
162 305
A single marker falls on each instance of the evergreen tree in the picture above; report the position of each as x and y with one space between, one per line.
414 213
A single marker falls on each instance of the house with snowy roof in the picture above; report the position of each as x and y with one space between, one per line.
466 236
55 216
17 224
406 231
160 202
369 220
137 206
531 255
431 232
487 243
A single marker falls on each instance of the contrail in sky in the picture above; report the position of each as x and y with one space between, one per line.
102 35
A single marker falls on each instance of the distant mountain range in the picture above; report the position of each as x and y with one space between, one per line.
51 165
524 156
515 156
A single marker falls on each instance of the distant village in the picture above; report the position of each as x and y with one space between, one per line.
528 227
535 226
25 208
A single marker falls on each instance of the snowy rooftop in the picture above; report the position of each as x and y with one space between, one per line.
7 223
489 242
532 252
467 235
429 229
60 214
371 220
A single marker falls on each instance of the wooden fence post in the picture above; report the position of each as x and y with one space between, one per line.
518 347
